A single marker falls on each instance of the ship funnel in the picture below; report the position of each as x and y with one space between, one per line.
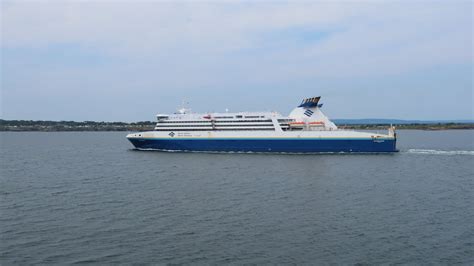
309 112
310 102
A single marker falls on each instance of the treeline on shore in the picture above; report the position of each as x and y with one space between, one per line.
419 126
30 125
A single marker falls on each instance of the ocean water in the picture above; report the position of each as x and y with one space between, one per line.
90 198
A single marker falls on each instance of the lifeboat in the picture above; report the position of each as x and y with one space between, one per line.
302 124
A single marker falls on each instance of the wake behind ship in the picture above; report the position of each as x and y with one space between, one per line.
305 130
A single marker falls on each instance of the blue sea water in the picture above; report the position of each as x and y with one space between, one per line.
88 197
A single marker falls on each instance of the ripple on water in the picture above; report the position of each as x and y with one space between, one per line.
439 152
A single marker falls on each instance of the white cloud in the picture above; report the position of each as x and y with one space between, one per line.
387 37
163 46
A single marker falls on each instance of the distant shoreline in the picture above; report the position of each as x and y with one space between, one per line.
57 126
440 126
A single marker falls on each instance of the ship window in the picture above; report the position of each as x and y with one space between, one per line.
222 129
234 121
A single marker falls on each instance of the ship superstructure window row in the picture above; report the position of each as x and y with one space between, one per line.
221 122
235 125
210 121
221 129
286 120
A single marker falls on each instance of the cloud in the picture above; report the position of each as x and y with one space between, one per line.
389 37
210 47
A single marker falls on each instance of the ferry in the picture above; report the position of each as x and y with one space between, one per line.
305 130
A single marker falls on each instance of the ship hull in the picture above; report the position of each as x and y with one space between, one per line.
294 145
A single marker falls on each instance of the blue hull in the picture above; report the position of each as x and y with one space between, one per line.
267 145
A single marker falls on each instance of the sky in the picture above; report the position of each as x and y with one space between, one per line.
129 60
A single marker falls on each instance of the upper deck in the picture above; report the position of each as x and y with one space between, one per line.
306 117
221 121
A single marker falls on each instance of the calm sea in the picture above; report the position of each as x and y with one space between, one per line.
89 198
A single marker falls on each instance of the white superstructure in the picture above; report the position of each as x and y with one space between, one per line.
305 121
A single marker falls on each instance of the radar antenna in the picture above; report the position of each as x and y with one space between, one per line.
184 108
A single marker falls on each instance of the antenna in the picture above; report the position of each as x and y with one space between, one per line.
183 109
